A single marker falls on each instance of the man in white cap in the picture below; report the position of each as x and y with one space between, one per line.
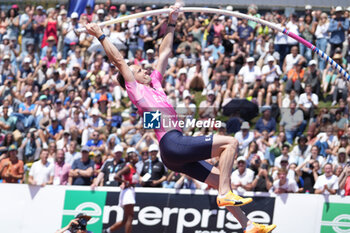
249 72
6 69
63 67
154 167
150 57
233 19
100 15
26 111
242 178
308 102
209 107
131 150
110 168
244 137
25 69
153 150
270 71
68 33
5 45
308 9
337 27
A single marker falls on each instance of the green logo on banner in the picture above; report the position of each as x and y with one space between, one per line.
336 218
90 203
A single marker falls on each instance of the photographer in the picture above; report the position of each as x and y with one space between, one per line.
76 225
7 89
30 148
309 172
6 69
263 181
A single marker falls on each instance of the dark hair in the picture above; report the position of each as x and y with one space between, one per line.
256 147
308 15
9 12
44 150
121 80
314 146
12 140
339 111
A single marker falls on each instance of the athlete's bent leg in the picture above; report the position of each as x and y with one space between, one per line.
247 225
213 180
225 147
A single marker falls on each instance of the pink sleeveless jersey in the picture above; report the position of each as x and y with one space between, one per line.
152 99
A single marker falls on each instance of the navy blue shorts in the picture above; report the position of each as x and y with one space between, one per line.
186 154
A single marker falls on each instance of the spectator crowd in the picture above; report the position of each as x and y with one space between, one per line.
66 120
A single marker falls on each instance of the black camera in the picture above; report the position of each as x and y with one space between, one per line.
311 166
80 226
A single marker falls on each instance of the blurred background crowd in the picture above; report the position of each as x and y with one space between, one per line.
65 120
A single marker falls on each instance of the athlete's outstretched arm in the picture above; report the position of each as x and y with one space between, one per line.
167 44
112 52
